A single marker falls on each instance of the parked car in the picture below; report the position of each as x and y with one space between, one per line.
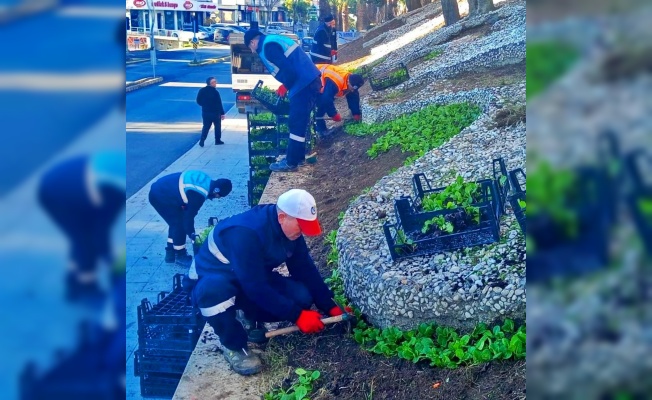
306 43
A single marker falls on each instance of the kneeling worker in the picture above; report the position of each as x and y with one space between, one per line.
235 268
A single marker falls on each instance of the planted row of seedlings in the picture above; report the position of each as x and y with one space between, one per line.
435 220
167 334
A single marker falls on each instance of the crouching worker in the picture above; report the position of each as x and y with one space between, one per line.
177 198
337 82
235 268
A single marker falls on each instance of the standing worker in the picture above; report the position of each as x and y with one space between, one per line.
212 111
235 268
300 79
337 82
324 42
84 195
177 198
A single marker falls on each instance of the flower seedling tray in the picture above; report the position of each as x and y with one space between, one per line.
390 79
273 102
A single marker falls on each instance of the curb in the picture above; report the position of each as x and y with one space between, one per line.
148 82
209 61
137 60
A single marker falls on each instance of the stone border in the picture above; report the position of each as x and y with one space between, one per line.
146 82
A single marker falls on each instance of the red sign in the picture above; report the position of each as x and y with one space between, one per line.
140 3
187 5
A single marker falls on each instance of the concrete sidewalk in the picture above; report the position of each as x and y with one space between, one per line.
146 232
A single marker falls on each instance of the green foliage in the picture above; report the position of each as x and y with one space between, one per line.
262 118
398 74
439 222
299 390
645 205
458 194
547 61
340 217
261 160
443 347
261 131
521 203
262 145
262 173
550 192
404 244
433 54
418 132
203 235
331 258
365 70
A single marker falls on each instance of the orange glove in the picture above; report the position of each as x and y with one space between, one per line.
335 311
333 53
282 91
357 117
310 322
337 117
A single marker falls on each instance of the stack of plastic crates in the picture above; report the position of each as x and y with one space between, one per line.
167 335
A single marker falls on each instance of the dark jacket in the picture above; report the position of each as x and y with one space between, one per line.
326 100
324 40
254 245
166 192
210 101
294 70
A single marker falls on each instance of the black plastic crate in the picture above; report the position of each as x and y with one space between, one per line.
642 215
172 308
154 384
556 254
90 371
517 178
160 339
261 163
422 187
254 192
253 123
410 221
502 181
392 78
146 362
279 105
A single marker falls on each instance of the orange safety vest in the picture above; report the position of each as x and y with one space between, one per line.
336 74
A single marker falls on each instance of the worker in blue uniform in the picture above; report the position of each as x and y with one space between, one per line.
84 195
235 266
177 198
300 79
324 42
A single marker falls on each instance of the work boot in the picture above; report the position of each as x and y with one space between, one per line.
243 362
218 141
89 293
282 166
182 258
201 143
169 255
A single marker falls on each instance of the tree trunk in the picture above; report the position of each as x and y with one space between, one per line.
412 4
345 17
324 9
477 7
361 22
451 11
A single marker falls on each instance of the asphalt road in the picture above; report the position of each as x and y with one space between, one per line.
163 120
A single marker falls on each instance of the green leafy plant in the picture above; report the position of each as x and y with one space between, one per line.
546 62
645 205
331 258
418 132
254 132
262 118
203 235
262 173
298 390
261 160
262 146
521 203
458 195
440 222
433 54
404 245
551 192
